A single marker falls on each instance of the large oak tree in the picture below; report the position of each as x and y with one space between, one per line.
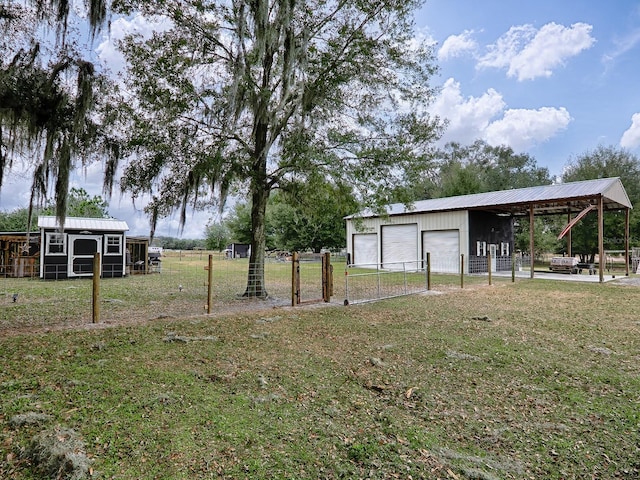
256 95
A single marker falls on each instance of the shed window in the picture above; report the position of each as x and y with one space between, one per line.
56 244
504 249
481 249
113 244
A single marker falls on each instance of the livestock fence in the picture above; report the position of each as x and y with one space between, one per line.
182 284
370 282
195 283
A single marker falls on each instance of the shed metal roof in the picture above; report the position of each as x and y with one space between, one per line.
78 223
545 200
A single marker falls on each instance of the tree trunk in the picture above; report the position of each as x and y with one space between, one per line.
259 197
255 280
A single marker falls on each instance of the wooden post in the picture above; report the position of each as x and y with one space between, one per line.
210 285
601 258
327 277
462 270
531 241
513 267
96 288
295 279
428 270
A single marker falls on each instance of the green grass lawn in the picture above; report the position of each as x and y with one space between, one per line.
534 379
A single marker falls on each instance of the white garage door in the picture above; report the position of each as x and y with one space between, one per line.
365 249
444 246
399 246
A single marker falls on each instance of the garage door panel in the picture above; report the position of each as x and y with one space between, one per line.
365 249
399 246
444 247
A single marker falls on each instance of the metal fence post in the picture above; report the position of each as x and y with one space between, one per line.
404 267
489 266
295 279
346 285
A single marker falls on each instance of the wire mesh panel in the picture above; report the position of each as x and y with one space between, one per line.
236 279
368 282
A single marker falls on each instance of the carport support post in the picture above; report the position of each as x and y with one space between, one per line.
531 242
569 235
210 284
95 314
601 258
626 241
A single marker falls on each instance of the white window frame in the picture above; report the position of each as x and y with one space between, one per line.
107 244
504 249
481 249
50 237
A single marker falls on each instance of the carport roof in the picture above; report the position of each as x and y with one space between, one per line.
78 223
545 200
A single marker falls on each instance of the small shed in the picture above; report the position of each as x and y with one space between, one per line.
238 250
67 251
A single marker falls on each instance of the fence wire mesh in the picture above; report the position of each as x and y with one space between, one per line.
177 286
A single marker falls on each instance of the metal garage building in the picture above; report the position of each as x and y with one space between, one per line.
474 225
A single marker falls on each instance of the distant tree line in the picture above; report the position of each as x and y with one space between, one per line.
310 215
171 243
79 204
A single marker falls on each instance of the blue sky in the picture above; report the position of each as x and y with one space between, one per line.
553 79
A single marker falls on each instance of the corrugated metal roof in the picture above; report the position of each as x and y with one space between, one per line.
78 223
547 199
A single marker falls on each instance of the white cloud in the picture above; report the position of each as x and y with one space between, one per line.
457 46
466 117
528 53
486 117
507 47
521 129
631 137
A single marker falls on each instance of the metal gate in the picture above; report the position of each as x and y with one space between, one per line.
369 282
